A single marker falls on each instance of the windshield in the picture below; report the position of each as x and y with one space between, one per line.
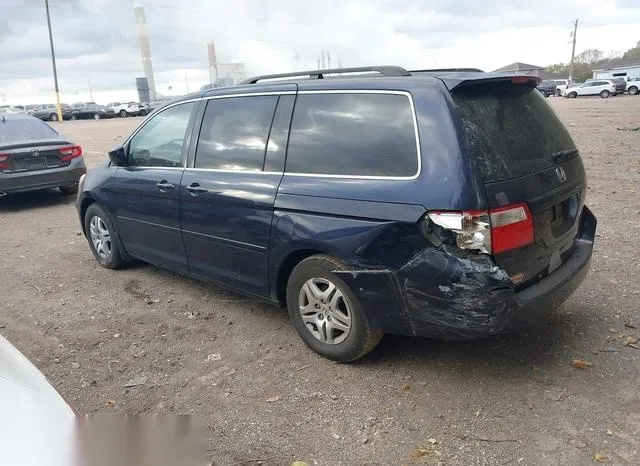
22 130
511 130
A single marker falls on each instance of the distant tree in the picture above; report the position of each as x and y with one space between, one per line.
633 53
590 56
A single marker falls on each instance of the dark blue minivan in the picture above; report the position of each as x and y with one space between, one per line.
366 200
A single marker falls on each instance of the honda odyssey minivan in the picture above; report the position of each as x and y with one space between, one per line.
366 200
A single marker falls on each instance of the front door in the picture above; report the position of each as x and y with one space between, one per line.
227 197
147 191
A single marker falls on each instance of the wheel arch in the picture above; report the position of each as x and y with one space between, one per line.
286 266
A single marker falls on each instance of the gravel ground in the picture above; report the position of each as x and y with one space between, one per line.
237 362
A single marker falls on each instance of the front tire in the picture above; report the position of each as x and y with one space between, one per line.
74 117
326 313
123 114
572 95
558 93
53 117
605 94
633 90
103 238
96 116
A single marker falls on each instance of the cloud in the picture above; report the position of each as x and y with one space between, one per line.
97 39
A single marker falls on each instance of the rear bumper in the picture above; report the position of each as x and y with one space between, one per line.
440 295
43 179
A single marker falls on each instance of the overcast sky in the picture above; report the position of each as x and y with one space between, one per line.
97 40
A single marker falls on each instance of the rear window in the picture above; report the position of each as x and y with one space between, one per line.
24 130
511 130
359 134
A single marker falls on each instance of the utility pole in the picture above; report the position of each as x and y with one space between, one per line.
53 61
328 59
573 49
324 60
90 90
186 80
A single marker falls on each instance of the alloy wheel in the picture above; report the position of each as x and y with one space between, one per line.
100 237
325 311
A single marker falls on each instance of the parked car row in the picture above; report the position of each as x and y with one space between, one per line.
85 110
602 87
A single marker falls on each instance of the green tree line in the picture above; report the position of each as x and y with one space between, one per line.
593 59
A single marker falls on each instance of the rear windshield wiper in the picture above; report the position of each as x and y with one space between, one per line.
564 155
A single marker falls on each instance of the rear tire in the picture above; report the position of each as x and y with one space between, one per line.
325 315
605 94
96 116
123 114
103 237
69 189
74 117
572 95
633 90
558 93
53 117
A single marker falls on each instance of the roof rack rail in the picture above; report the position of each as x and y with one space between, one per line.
320 74
449 70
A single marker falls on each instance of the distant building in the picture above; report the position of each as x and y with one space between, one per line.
531 70
631 71
223 74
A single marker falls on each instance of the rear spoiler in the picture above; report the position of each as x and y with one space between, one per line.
456 80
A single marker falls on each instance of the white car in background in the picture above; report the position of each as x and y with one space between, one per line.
37 426
124 109
561 85
602 87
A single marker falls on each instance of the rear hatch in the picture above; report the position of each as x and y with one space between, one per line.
524 154
28 144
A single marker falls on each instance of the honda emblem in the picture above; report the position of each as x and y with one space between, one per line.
562 176
35 152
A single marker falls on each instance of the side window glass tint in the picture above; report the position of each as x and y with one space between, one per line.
161 140
234 133
357 134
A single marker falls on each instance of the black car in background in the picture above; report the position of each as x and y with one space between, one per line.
50 113
621 85
87 110
35 156
547 88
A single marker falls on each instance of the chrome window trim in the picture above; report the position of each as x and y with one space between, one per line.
365 177
312 175
198 99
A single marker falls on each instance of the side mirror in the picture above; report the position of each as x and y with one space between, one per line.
118 156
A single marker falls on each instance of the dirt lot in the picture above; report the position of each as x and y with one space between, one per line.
511 399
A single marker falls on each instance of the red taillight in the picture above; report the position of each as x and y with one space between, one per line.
492 232
70 152
519 80
511 227
3 161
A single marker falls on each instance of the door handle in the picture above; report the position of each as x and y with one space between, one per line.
195 189
162 185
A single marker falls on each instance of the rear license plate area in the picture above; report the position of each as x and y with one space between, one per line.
36 163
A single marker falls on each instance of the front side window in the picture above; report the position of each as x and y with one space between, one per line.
234 133
353 134
161 140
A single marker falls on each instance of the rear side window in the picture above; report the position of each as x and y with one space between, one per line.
511 130
234 133
24 130
357 134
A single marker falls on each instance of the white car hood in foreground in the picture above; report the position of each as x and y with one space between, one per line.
37 427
